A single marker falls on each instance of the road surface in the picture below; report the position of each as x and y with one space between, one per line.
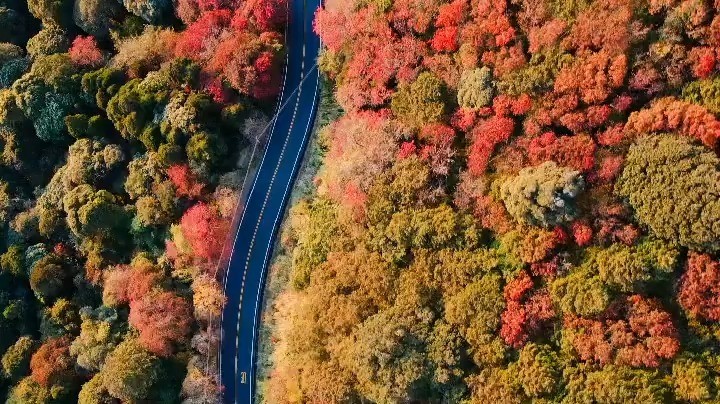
245 278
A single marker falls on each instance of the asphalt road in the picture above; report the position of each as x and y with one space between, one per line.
245 278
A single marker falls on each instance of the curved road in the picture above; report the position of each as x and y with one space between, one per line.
245 278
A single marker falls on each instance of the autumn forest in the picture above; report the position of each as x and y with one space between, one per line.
505 201
518 201
126 129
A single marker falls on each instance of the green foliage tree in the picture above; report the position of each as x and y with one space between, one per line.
543 195
81 125
94 392
476 88
623 267
495 385
387 358
152 11
615 384
581 292
9 51
28 391
674 186
96 16
704 92
144 173
538 75
538 370
16 360
102 84
421 102
12 69
477 306
100 333
315 238
694 379
52 12
13 260
90 161
132 110
50 40
47 93
206 149
60 319
47 277
130 372
93 212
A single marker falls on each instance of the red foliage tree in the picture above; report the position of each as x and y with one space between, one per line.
185 181
355 199
699 293
52 363
592 77
611 223
406 150
379 58
492 214
163 320
267 15
197 39
463 119
125 283
438 151
605 25
205 230
703 60
486 137
247 63
582 233
635 331
85 52
445 40
545 268
115 287
452 14
545 35
672 115
189 10
577 151
610 167
525 311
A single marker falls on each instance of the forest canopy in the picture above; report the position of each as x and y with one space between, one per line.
126 128
516 201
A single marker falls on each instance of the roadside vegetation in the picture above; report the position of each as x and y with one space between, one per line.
519 204
126 128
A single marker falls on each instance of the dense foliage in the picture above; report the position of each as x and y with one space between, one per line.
125 130
519 203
